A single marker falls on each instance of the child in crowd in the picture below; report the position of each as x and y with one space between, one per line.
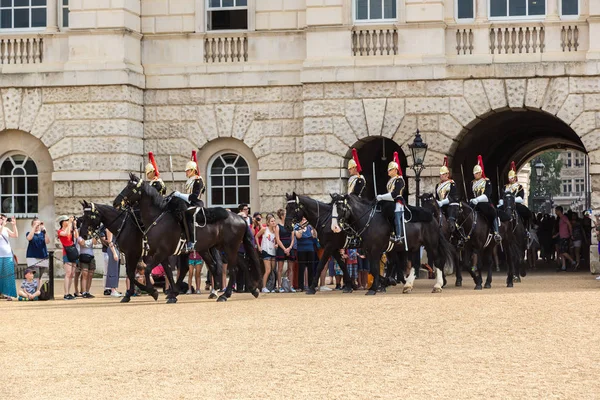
195 270
30 287
363 270
352 263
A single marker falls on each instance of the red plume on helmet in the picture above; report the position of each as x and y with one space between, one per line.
355 157
480 163
153 162
445 162
193 158
513 167
397 161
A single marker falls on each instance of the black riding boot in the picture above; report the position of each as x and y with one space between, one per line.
497 236
398 217
188 226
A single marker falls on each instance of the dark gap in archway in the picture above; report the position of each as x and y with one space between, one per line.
510 136
378 151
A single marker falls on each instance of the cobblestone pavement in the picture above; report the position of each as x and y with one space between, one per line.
537 340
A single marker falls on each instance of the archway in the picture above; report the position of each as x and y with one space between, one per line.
378 151
509 136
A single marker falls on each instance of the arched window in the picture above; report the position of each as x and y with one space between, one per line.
19 186
228 181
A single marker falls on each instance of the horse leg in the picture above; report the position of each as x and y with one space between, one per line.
210 263
439 281
327 252
374 265
458 271
476 272
410 278
488 280
174 292
130 270
150 289
344 267
232 257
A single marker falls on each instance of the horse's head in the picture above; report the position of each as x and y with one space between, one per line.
340 202
294 210
90 222
429 202
132 193
454 211
509 202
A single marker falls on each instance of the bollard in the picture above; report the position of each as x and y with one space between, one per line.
51 274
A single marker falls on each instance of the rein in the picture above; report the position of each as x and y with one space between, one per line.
348 227
460 229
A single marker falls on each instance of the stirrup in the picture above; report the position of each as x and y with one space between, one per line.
189 247
497 237
397 239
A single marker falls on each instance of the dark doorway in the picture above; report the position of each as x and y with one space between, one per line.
379 152
509 136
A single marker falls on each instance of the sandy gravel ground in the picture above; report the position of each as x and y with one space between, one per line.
537 340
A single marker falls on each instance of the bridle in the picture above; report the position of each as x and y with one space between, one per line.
346 209
137 189
95 214
464 237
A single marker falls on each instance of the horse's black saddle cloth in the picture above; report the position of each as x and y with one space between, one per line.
207 215
411 213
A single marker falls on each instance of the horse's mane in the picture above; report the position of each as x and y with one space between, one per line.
360 200
310 199
157 199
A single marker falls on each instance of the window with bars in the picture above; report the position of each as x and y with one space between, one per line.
22 14
228 181
465 9
226 15
65 13
374 10
19 186
517 8
567 187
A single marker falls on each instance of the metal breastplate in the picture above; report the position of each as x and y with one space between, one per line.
352 182
189 185
444 188
391 184
513 188
479 187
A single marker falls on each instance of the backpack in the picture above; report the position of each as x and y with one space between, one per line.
44 292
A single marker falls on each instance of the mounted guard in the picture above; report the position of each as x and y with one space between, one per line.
194 188
445 191
514 187
482 192
153 175
394 187
356 185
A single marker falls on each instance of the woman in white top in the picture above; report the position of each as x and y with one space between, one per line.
267 247
8 289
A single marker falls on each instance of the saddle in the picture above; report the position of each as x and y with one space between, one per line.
204 215
411 213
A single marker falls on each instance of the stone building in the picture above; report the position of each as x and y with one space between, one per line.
274 93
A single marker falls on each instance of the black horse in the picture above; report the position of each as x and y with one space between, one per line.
374 229
217 228
429 203
521 240
471 232
318 215
128 233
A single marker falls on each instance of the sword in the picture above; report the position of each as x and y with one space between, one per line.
341 185
498 183
374 181
464 182
172 175
141 171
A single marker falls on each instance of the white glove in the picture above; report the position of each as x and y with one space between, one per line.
482 199
519 200
474 201
500 203
444 202
440 203
184 197
385 197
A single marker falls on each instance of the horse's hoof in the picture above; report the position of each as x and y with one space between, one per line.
478 287
154 295
382 290
125 299
212 296
347 289
510 284
437 290
517 279
458 284
407 290
172 300
487 286
370 292
392 282
255 293
222 299
310 291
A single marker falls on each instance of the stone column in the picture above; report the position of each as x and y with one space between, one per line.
481 11
51 16
552 13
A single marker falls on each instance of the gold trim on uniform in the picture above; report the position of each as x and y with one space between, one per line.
352 182
514 188
392 183
189 184
444 188
479 187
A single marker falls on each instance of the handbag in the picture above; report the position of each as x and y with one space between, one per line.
72 253
85 258
44 292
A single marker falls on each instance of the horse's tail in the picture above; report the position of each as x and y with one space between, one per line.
447 254
257 265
